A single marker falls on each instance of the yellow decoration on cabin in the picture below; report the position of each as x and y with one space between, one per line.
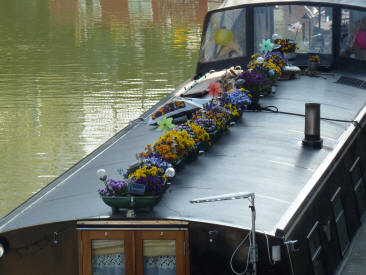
223 37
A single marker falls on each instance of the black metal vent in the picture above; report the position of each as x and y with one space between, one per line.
350 81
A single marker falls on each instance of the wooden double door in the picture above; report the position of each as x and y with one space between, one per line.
133 252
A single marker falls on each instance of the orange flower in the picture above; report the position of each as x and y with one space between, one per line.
214 89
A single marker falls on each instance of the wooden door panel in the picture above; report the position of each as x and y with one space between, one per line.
177 236
162 244
87 238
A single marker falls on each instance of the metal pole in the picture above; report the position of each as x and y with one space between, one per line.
254 247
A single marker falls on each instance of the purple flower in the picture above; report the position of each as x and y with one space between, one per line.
237 98
155 185
254 79
276 56
150 161
208 124
114 188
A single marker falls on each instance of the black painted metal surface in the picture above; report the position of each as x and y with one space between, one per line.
261 154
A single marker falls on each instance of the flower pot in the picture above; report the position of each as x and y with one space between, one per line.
204 146
313 66
131 202
255 99
178 165
192 155
266 90
214 135
234 118
290 55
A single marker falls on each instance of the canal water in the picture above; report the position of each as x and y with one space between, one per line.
75 72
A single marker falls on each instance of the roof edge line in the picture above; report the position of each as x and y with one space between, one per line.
306 190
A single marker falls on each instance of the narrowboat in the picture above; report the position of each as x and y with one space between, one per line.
278 187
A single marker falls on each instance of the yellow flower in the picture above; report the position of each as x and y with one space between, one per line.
173 144
200 133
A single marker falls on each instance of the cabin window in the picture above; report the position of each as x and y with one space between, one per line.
127 252
340 221
359 187
225 36
316 250
105 252
108 257
309 26
353 34
157 253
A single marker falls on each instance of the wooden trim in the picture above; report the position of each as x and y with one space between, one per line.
132 228
139 259
133 222
133 250
187 257
87 259
80 252
179 246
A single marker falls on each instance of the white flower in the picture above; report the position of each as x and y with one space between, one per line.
260 60
102 174
276 36
170 172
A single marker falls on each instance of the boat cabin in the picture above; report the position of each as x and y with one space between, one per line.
332 29
259 200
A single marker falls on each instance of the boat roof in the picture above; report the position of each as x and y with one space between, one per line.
262 153
233 3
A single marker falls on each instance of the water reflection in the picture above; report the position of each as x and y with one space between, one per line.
74 72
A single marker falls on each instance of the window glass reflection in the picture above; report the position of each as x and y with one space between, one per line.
353 34
225 36
108 257
159 257
310 27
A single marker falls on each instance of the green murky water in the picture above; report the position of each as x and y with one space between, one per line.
75 72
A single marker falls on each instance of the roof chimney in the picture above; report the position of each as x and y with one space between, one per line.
312 126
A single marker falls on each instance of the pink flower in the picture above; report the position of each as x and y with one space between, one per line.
214 89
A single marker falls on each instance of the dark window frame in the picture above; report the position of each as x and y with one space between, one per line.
358 184
337 218
317 254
